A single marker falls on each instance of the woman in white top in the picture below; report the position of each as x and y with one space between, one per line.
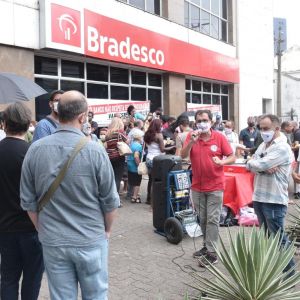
155 145
232 138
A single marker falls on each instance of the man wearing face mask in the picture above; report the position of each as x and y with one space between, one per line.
207 148
87 130
49 124
271 165
249 134
75 224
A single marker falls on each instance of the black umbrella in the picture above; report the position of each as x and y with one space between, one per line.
15 88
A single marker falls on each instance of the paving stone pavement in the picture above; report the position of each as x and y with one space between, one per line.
140 261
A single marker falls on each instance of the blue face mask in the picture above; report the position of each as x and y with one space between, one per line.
267 136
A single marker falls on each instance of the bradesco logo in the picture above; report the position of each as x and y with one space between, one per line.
126 49
65 25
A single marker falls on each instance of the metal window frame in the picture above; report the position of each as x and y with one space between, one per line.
86 61
210 14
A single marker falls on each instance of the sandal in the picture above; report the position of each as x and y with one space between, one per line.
138 200
133 200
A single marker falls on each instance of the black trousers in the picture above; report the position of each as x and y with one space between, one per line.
118 165
21 255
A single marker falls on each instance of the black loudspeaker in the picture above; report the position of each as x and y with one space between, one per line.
162 165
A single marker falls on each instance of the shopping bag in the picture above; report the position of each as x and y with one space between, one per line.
142 168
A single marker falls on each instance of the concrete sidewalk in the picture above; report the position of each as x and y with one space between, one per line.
142 264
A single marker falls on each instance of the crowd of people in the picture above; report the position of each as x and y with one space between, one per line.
65 184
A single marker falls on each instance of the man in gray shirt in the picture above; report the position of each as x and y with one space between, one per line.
74 226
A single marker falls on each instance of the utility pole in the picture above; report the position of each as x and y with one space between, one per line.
278 43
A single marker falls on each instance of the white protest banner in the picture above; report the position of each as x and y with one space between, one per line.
104 110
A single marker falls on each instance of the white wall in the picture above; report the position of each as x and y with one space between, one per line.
290 93
19 23
255 53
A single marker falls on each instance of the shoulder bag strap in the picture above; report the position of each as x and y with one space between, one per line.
59 178
51 121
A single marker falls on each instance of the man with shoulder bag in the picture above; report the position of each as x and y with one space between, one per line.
68 190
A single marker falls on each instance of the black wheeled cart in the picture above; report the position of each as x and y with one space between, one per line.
173 212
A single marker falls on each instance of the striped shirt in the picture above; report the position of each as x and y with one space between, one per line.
111 144
272 188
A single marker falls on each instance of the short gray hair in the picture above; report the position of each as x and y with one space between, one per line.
69 110
17 117
274 119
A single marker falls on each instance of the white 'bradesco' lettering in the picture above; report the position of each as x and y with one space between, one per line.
123 49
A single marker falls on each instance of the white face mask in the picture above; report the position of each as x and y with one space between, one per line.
31 128
55 105
267 136
86 129
102 137
204 126
228 130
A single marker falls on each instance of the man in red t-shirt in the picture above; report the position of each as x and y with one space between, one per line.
207 148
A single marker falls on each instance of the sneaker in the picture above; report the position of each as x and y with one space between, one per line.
207 260
200 252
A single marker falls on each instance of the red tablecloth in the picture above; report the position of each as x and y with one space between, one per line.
238 189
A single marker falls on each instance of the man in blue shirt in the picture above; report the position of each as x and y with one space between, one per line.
249 134
49 124
74 226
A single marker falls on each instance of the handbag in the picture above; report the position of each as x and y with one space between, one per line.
59 178
142 167
123 148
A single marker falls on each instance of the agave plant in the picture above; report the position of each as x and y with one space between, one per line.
255 265
293 229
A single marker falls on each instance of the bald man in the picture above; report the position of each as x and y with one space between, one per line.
75 224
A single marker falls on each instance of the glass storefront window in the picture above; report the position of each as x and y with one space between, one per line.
72 69
119 75
154 95
196 98
138 77
95 81
97 72
99 91
47 66
187 84
138 93
196 86
154 79
42 102
67 85
119 92
207 87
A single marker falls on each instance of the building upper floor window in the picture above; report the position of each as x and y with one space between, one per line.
152 6
207 16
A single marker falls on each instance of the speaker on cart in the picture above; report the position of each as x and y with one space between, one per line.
162 165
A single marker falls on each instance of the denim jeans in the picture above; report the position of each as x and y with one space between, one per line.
68 266
272 217
21 255
209 207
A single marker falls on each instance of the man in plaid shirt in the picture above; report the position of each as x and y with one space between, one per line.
271 164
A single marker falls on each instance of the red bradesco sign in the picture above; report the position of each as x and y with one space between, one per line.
111 39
